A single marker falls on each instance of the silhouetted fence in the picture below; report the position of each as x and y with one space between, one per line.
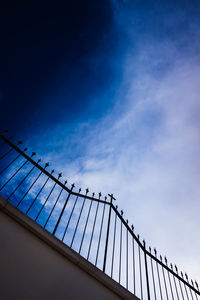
90 225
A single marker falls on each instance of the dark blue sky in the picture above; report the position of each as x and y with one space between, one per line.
64 62
55 61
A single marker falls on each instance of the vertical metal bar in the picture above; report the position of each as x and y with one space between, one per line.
146 270
93 228
55 204
120 255
13 175
5 154
79 218
170 284
164 279
59 175
181 289
91 202
9 151
100 232
197 286
189 289
11 162
63 209
127 256
22 181
141 288
193 287
46 165
175 283
38 194
196 296
113 252
152 270
132 227
185 286
107 235
70 217
197 289
179 282
158 275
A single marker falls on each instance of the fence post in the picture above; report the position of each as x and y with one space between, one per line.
146 270
107 235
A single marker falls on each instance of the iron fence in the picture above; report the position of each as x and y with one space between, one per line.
90 225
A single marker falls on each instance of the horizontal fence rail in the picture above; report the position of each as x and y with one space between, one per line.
90 225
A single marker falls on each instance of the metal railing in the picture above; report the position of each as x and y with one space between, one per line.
91 226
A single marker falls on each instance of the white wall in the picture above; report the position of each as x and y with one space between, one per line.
31 269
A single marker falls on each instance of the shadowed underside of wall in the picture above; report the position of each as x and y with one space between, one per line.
36 265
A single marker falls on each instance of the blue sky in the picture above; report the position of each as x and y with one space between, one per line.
109 92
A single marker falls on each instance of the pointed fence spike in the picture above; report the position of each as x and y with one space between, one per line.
79 190
65 182
116 206
161 257
39 160
132 227
93 195
150 249
19 143
100 195
87 191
